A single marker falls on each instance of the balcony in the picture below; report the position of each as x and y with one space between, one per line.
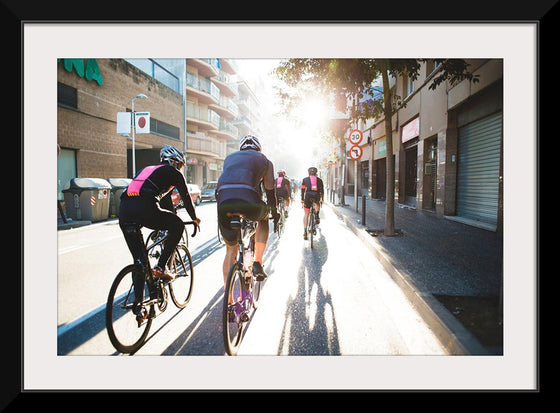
205 119
201 144
203 89
228 65
222 81
225 108
226 130
205 67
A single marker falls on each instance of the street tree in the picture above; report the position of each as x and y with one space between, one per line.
353 87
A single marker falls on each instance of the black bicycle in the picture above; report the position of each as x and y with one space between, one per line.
311 223
242 291
282 220
136 297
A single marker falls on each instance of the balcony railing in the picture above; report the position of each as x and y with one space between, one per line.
202 143
202 113
204 84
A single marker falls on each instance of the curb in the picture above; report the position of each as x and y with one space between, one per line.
451 333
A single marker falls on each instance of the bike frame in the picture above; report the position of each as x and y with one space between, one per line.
247 230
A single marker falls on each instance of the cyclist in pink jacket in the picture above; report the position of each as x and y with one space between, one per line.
311 189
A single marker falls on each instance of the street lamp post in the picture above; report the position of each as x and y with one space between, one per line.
138 96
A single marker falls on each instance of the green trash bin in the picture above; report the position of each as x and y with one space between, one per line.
87 199
118 186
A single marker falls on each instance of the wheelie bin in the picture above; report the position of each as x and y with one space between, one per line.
87 199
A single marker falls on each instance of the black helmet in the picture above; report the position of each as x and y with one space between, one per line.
249 142
312 171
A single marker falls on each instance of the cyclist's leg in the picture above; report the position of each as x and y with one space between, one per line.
259 213
306 208
317 209
229 235
128 214
157 218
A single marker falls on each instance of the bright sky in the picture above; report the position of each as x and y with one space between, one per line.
293 147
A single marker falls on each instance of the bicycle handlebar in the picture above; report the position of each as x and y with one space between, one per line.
195 226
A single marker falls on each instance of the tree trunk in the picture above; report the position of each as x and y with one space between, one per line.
390 163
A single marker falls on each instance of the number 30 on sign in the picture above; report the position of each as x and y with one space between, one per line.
355 137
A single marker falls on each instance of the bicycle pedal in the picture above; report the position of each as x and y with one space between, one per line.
141 316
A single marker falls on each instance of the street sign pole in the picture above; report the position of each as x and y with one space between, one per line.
355 138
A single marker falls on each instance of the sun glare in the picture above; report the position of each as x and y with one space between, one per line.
314 112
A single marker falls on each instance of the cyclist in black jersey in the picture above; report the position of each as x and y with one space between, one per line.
239 191
311 188
147 202
283 190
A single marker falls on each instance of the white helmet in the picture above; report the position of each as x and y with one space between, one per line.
249 142
169 153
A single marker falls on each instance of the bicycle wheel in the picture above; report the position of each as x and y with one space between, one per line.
181 286
233 325
121 323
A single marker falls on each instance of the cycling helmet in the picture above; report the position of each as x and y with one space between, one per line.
169 153
249 142
312 171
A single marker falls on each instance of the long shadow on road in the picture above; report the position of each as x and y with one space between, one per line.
310 326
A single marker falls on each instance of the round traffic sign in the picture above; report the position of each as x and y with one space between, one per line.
142 122
356 152
355 137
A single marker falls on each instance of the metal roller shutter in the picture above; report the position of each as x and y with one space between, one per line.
478 169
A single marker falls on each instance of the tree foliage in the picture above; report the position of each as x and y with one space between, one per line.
354 87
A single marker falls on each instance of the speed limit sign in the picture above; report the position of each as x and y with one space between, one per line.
355 137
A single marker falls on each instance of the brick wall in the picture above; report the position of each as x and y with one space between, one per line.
91 129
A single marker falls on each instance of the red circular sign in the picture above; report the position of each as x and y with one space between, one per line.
142 122
355 137
355 152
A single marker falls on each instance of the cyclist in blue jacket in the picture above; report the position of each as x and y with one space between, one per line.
239 191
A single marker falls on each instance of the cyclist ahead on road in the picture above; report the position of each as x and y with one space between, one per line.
147 202
311 189
283 190
239 191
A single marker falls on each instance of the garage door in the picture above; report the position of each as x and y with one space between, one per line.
479 169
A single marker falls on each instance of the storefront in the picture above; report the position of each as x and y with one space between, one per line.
409 161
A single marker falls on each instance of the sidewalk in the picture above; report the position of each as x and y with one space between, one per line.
451 271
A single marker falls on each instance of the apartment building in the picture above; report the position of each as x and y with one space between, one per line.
210 114
447 147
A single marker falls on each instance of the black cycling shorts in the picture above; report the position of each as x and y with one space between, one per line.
282 193
309 195
253 209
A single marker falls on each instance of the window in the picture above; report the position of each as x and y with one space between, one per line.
409 86
167 71
67 96
162 128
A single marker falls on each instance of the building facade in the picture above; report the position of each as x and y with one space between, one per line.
190 102
90 94
447 147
